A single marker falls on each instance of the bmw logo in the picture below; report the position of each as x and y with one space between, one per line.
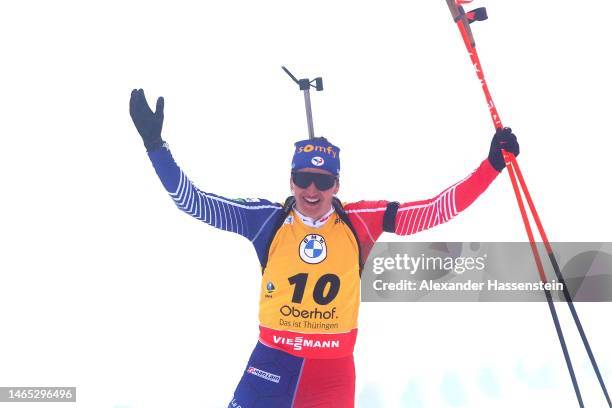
317 161
313 249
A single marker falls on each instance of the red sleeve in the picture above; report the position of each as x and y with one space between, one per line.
367 216
420 215
367 219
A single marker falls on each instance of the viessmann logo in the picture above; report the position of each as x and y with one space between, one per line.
299 342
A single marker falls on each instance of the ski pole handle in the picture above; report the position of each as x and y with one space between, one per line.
463 24
458 14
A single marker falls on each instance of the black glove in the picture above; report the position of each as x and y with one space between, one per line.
148 124
503 139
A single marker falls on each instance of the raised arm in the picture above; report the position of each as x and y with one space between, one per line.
420 215
416 216
247 217
371 218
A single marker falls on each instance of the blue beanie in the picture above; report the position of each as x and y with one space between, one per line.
316 153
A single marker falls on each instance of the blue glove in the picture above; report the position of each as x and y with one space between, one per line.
148 124
503 139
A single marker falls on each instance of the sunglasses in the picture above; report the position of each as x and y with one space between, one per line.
304 180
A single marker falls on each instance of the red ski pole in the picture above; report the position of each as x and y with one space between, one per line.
555 264
463 20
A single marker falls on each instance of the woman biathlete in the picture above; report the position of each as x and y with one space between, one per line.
311 250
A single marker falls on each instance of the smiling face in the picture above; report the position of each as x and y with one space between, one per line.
311 201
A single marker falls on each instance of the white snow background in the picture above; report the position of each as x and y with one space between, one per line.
106 286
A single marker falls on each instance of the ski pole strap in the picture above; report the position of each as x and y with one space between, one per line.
479 14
